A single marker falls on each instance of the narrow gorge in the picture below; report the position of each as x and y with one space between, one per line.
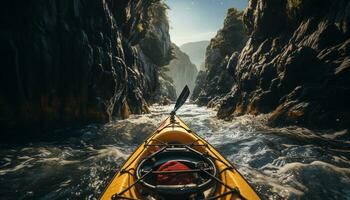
90 106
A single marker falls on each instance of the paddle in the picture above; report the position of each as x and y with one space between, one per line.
181 100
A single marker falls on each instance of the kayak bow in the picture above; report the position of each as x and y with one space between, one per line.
228 183
176 163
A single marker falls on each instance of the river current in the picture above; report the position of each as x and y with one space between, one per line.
280 163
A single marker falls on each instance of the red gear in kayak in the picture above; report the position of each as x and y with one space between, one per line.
174 178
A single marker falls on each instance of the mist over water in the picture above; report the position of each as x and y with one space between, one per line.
280 163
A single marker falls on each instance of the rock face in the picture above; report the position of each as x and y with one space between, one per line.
216 81
79 60
182 71
196 52
167 89
295 65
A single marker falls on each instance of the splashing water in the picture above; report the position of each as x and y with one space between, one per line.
281 163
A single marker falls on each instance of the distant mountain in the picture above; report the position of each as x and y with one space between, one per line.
196 52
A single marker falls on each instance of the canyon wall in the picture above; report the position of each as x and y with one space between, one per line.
216 80
295 64
80 60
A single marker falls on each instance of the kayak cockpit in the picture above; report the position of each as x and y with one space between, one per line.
176 172
175 164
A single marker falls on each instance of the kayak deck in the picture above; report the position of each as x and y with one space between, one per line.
230 183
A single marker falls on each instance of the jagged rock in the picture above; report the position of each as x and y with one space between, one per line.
166 88
156 43
200 81
181 70
296 67
165 101
217 81
125 110
76 61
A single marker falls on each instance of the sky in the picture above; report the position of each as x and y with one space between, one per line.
196 20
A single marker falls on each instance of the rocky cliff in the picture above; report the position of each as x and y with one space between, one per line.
181 70
216 80
80 60
196 52
295 65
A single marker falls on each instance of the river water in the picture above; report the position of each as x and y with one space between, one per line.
281 163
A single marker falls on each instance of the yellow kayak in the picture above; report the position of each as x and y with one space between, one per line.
175 163
205 173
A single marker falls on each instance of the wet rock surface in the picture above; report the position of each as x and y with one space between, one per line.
66 61
216 81
294 65
166 88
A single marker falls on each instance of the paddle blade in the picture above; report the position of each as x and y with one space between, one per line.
182 98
